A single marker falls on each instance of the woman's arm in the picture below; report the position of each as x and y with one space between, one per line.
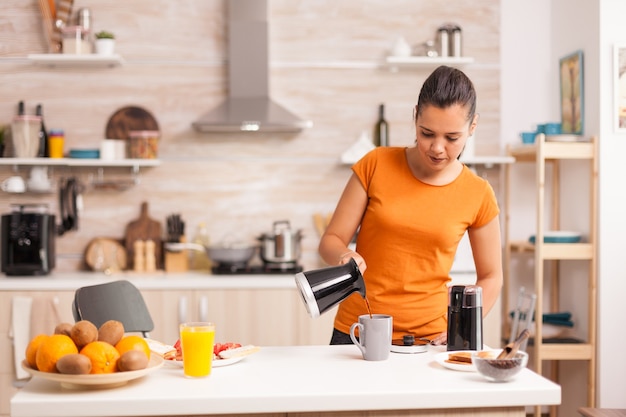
333 247
487 250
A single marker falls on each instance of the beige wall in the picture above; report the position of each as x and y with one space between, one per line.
324 60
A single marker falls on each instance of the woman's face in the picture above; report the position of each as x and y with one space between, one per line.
441 134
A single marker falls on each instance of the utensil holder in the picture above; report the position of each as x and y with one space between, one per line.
177 261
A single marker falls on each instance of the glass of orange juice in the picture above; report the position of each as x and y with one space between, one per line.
197 340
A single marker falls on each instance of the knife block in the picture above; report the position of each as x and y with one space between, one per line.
177 261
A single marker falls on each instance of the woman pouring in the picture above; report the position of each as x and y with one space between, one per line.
412 205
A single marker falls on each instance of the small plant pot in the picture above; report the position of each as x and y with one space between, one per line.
105 46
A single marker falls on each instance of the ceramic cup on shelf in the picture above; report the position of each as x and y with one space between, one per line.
13 184
375 334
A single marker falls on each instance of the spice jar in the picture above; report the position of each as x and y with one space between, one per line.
144 144
56 142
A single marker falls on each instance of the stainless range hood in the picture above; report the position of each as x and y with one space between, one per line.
249 107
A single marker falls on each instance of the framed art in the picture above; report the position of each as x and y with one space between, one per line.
572 98
619 87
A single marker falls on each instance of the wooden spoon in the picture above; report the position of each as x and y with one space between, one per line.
511 349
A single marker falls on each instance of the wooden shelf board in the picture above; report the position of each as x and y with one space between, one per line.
76 60
556 251
565 351
553 150
80 162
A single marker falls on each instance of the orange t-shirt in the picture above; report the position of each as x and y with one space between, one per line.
408 237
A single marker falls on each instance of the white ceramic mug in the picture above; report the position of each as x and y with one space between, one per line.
375 334
38 180
13 184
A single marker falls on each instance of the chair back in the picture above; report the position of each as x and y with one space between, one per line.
116 300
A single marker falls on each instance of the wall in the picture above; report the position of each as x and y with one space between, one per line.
530 52
325 65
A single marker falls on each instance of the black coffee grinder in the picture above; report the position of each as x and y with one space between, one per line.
465 317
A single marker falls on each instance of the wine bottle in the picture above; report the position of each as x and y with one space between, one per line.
44 150
381 130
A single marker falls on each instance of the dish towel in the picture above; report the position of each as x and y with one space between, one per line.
30 316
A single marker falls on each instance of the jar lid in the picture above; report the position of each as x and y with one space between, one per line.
144 133
74 29
56 132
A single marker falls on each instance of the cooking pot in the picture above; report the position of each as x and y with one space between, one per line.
282 245
235 254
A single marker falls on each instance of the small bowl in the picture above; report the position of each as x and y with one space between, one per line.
498 370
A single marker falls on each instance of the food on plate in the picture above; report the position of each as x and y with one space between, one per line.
238 351
461 358
64 328
74 364
227 350
111 331
221 347
103 357
168 352
132 360
83 333
51 350
77 349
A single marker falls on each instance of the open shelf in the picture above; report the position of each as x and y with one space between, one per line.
77 60
396 62
79 162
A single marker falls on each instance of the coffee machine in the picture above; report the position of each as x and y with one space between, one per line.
28 240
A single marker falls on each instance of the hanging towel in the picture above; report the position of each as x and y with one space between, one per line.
20 332
30 316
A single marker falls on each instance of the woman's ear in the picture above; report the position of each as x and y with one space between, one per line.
473 124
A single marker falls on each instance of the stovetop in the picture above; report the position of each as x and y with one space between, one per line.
266 269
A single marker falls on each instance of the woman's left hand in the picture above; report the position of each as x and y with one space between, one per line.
441 339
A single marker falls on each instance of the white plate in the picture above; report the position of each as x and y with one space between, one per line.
215 363
442 359
95 381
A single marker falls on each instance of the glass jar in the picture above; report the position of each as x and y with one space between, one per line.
76 40
144 144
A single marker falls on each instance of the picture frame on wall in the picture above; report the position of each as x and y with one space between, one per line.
572 93
619 88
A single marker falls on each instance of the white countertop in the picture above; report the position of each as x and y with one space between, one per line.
160 280
292 379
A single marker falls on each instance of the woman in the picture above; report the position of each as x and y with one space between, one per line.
412 206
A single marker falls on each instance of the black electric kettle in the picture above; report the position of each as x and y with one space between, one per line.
322 289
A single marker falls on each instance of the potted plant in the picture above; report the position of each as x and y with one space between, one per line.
105 43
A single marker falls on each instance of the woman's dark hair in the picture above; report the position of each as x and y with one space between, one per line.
445 87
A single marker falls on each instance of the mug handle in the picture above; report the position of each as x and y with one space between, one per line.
353 337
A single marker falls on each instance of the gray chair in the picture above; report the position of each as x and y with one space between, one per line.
116 300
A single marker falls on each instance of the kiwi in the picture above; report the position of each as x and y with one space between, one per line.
111 332
84 332
132 360
74 364
64 328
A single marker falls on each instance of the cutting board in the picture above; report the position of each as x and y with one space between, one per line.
129 118
144 228
105 254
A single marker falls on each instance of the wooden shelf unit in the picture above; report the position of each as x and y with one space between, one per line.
540 153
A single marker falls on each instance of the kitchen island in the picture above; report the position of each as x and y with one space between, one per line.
291 380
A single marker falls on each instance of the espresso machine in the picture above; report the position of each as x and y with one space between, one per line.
28 240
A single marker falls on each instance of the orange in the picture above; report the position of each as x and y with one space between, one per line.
133 342
103 357
31 349
52 349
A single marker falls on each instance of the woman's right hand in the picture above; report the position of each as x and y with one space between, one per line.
345 258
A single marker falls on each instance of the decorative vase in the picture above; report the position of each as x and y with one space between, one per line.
105 46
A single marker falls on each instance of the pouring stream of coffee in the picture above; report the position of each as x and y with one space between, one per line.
511 349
